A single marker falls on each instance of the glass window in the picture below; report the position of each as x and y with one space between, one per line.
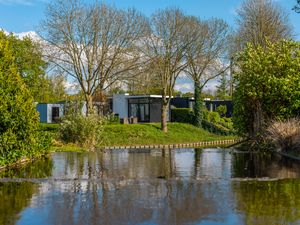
141 111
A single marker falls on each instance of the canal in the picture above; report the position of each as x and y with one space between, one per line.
182 186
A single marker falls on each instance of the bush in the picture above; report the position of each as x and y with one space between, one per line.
216 128
82 130
222 110
112 119
19 121
267 86
213 117
285 135
182 115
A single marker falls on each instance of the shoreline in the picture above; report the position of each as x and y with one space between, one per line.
172 146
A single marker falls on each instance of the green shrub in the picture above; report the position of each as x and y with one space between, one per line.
267 86
82 130
112 119
216 128
222 110
50 127
213 117
19 121
182 115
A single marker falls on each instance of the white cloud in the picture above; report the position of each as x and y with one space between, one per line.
184 87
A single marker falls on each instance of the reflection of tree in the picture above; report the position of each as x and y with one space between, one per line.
132 202
197 155
273 202
263 165
41 168
14 197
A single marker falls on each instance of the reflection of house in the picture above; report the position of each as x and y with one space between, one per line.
146 108
211 105
50 113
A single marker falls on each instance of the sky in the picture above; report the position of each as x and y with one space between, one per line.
25 15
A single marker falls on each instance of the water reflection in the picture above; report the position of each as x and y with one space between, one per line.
186 186
264 165
41 168
14 197
130 202
269 202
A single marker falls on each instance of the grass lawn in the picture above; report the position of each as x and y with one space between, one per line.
140 134
145 134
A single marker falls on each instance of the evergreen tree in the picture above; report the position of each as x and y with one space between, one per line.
19 136
222 89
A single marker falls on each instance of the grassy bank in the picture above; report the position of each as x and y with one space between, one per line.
142 134
146 134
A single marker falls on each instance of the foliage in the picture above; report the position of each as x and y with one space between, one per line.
19 135
50 127
268 202
14 198
82 130
297 7
211 120
182 115
213 117
216 128
146 134
222 88
285 135
267 86
198 114
112 119
222 110
52 89
214 123
27 58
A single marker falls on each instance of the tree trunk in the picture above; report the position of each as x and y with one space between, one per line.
89 104
198 114
258 121
164 111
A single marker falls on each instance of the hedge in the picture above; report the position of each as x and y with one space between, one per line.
182 115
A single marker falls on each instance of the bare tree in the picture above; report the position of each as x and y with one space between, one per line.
95 44
204 56
165 47
259 21
297 7
145 82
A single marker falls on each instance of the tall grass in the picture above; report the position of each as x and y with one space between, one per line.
285 135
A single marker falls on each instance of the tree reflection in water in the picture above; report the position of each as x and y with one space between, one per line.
159 186
15 196
269 202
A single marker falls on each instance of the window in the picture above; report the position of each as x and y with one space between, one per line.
140 108
55 114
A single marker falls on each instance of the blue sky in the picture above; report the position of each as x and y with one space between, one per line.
25 15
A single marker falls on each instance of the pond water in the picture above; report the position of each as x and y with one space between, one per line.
183 186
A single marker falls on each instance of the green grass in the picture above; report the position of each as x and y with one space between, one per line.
146 134
51 127
139 134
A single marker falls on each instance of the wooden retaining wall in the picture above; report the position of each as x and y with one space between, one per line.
171 146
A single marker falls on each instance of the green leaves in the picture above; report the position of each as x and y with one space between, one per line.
268 81
27 58
18 117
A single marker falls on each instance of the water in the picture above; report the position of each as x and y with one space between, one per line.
184 186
